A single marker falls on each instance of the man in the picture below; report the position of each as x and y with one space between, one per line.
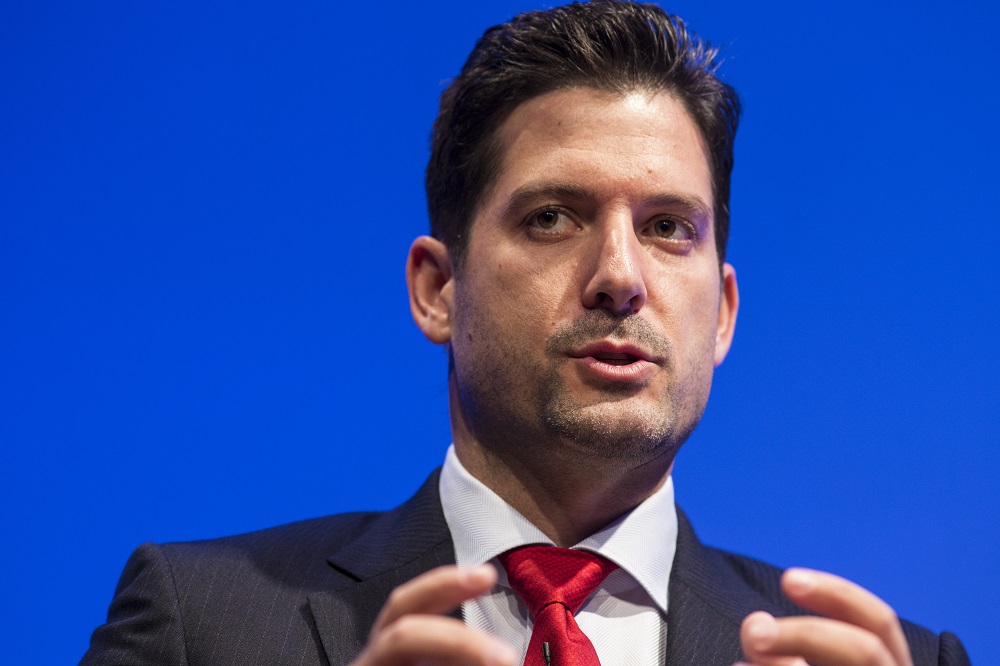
578 193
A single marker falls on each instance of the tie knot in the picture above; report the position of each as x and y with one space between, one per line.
542 575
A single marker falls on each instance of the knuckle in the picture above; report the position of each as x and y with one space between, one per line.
373 654
397 634
394 597
872 652
886 620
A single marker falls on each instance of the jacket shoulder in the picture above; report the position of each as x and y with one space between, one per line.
289 547
926 647
248 598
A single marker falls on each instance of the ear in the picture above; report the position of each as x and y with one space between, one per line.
429 281
729 304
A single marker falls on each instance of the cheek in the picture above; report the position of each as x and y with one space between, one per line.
691 305
524 298
493 317
520 315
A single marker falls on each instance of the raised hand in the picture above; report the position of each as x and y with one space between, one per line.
858 628
411 630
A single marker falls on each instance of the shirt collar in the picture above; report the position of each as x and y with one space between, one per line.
483 525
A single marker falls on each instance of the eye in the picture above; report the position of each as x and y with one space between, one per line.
546 219
549 219
671 229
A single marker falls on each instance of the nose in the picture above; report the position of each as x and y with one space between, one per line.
617 281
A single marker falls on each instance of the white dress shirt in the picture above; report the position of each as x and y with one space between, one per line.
625 617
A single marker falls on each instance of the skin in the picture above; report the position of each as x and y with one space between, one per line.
594 246
597 230
410 629
859 628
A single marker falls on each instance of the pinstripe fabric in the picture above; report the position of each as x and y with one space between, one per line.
307 593
270 597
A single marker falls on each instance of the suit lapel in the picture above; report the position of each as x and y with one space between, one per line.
394 548
710 594
697 633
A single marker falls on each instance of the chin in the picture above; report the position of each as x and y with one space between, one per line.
614 431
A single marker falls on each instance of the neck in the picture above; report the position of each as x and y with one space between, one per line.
565 492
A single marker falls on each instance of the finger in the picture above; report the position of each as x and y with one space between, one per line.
776 661
420 639
437 591
815 639
848 602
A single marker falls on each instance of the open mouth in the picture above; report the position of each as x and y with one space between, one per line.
615 358
620 364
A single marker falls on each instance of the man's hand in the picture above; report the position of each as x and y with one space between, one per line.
410 629
858 627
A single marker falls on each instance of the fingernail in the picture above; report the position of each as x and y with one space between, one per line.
799 581
762 631
479 576
501 654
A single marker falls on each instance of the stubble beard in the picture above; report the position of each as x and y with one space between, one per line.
622 426
613 429
551 421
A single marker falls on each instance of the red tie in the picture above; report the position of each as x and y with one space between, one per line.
554 583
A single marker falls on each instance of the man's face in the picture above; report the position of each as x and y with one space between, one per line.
589 310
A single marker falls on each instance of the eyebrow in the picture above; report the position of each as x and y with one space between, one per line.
528 193
555 190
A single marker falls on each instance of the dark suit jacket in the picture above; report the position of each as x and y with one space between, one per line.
307 593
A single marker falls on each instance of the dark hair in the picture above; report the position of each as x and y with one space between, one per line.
605 44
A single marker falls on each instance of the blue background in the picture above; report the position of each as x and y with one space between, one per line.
205 211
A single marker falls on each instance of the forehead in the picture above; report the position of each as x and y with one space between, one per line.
618 146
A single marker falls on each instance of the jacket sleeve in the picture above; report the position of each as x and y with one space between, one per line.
952 652
144 620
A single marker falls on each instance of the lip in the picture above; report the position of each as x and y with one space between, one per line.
609 347
596 360
637 372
